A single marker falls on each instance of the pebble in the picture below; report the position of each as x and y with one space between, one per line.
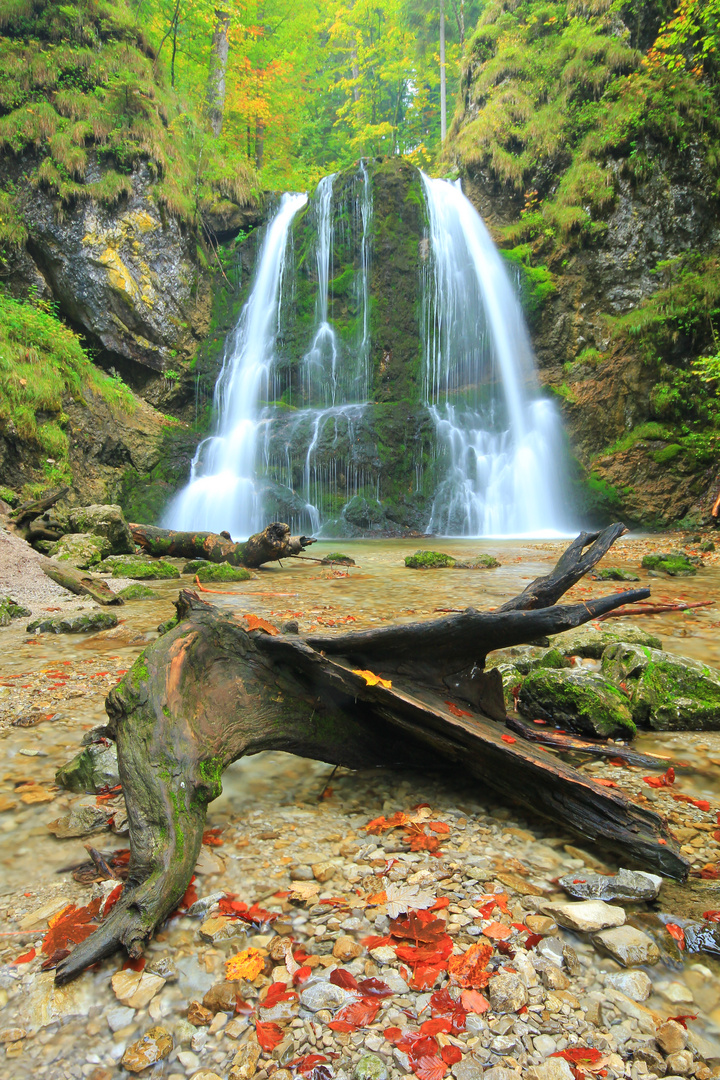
680 1063
671 1037
346 948
120 1017
507 993
188 1060
155 1045
630 947
634 984
552 1069
325 995
586 916
544 1045
136 989
625 885
370 1067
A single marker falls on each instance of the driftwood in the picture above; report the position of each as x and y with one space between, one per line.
272 544
80 582
209 692
36 507
654 609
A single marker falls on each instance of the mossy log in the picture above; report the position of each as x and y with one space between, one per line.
272 544
209 692
80 582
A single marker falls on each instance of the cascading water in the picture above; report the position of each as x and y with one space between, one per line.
222 492
500 440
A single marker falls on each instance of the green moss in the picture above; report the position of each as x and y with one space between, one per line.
666 692
136 592
612 573
584 702
429 560
9 609
222 572
536 282
675 564
134 566
9 496
668 453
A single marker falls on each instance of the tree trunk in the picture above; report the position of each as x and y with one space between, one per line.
272 544
83 584
218 67
209 692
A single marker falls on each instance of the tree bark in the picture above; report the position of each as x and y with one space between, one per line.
272 544
218 67
76 581
209 692
36 507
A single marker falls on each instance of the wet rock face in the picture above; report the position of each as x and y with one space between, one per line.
125 275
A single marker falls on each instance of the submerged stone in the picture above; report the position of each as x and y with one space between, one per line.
136 592
10 609
80 549
481 562
85 622
527 658
338 558
580 700
673 563
194 565
140 566
223 572
613 573
592 643
666 692
630 947
586 916
429 560
625 885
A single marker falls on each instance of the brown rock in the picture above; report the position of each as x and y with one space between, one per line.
199 1015
553 978
652 1058
680 1063
220 928
221 997
323 871
11 1035
278 948
671 1037
507 993
540 924
346 948
155 1045
244 1064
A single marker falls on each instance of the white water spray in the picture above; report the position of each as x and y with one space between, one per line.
501 440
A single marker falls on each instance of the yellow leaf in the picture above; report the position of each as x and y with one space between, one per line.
245 965
372 679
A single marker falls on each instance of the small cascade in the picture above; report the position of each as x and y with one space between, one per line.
499 442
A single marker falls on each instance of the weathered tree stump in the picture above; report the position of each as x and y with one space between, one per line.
209 692
272 544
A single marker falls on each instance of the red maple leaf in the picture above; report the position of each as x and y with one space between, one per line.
435 1025
373 988
268 1035
683 1019
277 992
711 916
357 1014
474 1002
256 623
443 1006
341 977
71 926
212 838
418 926
456 711
451 1054
666 780
677 932
702 804
425 975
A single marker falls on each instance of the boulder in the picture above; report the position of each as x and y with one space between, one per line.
136 592
106 521
222 572
625 885
666 692
141 567
613 573
80 549
94 768
83 622
580 700
429 560
586 916
672 563
527 658
589 641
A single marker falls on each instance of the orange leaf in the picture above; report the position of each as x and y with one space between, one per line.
497 931
508 738
25 958
469 969
372 679
456 711
244 965
474 1002
604 783
666 780
268 1035
677 932
256 623
70 926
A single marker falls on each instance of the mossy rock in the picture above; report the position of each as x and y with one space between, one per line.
141 567
337 558
512 679
94 768
674 563
84 622
592 643
667 693
707 545
82 550
612 573
194 565
223 572
579 700
527 658
429 560
482 562
104 520
9 496
136 592
169 624
10 609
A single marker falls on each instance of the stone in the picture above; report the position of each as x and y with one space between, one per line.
136 592
370 1067
553 978
625 885
323 871
222 572
469 1068
188 1060
671 1037
83 622
634 984
84 818
325 995
284 1010
244 1064
9 610
499 1072
106 522
346 948
545 1045
222 996
82 550
155 1045
673 563
199 1015
12 1035
383 954
612 573
507 993
630 947
141 567
652 1058
205 1074
677 993
136 988
540 924
552 1069
429 560
120 1017
220 928
592 643
680 1063
94 768
587 916
236 1027
666 692
581 701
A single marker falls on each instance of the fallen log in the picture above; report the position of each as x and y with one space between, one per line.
209 691
76 581
36 507
653 609
573 744
272 544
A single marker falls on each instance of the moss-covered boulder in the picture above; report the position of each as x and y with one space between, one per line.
666 692
194 565
481 562
674 564
223 572
512 680
429 560
10 609
613 573
94 768
7 495
82 550
106 521
336 558
526 658
83 622
141 567
591 642
583 701
136 592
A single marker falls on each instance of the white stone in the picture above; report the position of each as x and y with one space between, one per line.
587 916
136 988
635 984
325 995
46 1003
188 1060
628 946
383 954
552 1069
120 1017
544 1045
677 993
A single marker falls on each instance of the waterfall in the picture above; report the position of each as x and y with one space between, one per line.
499 442
222 493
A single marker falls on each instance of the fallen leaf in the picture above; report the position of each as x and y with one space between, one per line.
456 711
430 1068
474 1002
343 978
579 1055
372 679
268 1035
677 932
25 958
508 738
666 780
244 965
498 931
256 623
401 898
451 1054
70 926
380 825
702 804
357 1014
277 992
468 969
683 1019
711 916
